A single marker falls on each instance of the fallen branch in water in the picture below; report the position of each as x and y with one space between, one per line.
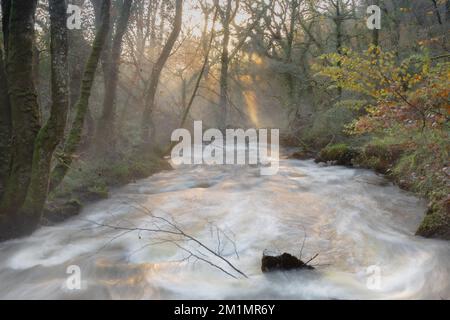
170 228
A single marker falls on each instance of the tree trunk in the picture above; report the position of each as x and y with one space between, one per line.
52 132
162 22
376 32
79 49
153 39
223 102
156 72
74 136
106 125
6 12
436 10
5 124
5 108
447 11
290 78
106 51
338 22
24 109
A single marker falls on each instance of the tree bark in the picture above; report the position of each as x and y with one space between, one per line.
162 22
52 132
447 11
5 124
156 72
106 126
376 32
97 4
225 61
5 108
436 11
24 109
74 136
79 50
338 20
153 39
6 12
290 42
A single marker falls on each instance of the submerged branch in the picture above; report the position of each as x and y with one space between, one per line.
175 230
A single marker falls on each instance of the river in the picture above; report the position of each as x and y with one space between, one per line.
360 224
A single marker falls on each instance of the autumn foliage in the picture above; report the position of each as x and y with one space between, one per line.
412 93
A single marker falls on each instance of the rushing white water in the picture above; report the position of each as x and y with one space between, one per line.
353 218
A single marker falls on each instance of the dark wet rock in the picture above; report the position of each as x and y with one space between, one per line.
284 262
59 211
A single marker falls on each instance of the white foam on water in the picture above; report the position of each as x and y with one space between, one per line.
353 218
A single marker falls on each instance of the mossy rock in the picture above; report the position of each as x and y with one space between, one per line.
58 211
341 154
381 157
436 223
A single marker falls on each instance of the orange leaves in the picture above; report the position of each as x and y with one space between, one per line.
411 93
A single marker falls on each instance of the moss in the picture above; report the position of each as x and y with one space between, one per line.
341 153
380 155
25 115
437 222
74 136
88 180
417 163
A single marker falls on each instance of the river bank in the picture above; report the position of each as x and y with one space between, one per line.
90 180
408 166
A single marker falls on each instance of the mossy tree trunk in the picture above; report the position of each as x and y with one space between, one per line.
24 109
5 124
52 132
106 131
74 137
156 72
5 108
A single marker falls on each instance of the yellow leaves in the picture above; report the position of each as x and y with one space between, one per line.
400 93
